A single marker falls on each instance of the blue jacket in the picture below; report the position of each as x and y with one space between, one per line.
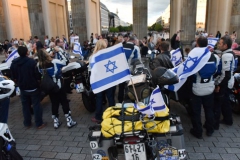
24 73
203 81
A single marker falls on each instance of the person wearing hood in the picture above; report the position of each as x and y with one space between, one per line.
25 75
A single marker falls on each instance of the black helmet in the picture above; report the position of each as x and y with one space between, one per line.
162 76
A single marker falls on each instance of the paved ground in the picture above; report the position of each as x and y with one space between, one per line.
65 143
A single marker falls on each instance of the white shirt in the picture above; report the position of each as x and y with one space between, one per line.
76 39
46 42
72 39
95 40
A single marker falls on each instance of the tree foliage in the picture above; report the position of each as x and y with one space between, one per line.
156 27
121 29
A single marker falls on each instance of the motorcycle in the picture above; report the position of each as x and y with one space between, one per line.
234 96
138 144
7 144
76 76
5 71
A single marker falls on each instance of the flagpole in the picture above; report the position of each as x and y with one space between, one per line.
134 90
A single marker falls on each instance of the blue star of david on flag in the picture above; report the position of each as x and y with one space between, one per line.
174 58
152 102
196 60
189 63
111 66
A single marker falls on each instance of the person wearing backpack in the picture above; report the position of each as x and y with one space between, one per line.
52 67
202 94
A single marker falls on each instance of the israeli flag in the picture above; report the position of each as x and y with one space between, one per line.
212 42
11 57
156 104
77 48
176 57
196 59
109 67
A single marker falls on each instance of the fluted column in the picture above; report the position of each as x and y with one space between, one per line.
235 19
175 16
79 18
36 18
218 16
140 15
3 33
188 21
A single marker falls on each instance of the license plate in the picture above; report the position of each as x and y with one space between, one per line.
135 151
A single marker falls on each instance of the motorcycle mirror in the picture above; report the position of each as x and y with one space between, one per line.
149 51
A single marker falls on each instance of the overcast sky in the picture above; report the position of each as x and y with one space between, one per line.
155 9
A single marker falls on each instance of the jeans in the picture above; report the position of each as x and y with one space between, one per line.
27 99
222 105
4 107
99 98
59 98
208 103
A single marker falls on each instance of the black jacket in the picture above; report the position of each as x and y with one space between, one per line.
176 44
162 60
24 73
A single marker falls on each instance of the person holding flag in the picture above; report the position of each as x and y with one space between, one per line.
77 49
108 68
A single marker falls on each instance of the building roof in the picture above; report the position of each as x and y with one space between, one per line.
103 6
114 14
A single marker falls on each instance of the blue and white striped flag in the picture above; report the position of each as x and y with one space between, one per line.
212 42
196 59
109 67
156 104
176 57
11 57
77 48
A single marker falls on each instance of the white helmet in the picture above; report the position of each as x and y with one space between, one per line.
6 87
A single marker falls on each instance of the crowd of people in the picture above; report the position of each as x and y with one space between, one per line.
214 79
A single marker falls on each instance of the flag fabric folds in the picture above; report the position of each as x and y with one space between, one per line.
156 103
212 42
109 67
11 57
176 57
196 59
77 48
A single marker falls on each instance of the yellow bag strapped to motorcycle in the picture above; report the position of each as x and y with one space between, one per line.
113 120
159 124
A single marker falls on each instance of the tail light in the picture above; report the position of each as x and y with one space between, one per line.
132 140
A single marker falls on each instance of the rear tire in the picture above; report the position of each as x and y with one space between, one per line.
234 104
14 154
89 101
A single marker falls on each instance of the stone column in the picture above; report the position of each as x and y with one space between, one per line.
188 21
3 33
140 18
79 19
175 16
36 18
218 16
235 19
67 18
